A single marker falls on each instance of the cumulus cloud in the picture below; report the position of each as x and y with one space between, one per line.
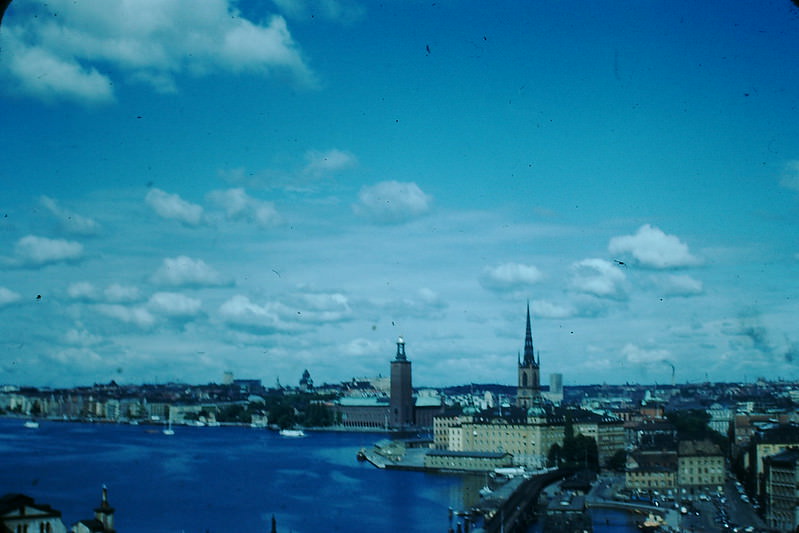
33 251
174 305
137 316
325 307
82 290
7 296
238 205
679 285
319 164
89 46
651 247
81 337
637 355
117 293
598 277
546 309
44 73
69 221
790 175
174 207
510 277
392 202
183 271
239 311
362 347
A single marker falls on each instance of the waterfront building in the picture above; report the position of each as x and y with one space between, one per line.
469 461
782 490
19 513
528 390
372 408
527 434
700 466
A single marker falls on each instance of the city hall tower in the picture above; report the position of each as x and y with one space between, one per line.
401 402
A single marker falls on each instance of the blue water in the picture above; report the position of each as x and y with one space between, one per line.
225 479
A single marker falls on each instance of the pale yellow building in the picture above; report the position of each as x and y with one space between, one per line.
700 466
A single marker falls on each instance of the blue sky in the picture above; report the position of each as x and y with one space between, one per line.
190 188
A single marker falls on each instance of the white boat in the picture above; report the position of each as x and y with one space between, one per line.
32 424
168 429
292 433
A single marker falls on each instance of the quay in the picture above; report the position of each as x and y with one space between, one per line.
508 509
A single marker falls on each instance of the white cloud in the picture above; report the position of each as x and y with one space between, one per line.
82 290
636 354
325 307
174 304
510 277
172 206
361 347
80 53
239 311
790 177
319 164
117 293
392 202
679 285
70 221
46 74
8 296
546 309
39 251
599 278
238 205
137 316
651 247
184 271
81 337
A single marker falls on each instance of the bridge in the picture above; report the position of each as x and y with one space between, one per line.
512 509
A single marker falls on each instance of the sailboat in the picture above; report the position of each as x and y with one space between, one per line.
168 429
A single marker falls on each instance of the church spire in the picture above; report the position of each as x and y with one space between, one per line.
529 353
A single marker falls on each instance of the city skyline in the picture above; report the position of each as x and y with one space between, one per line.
270 187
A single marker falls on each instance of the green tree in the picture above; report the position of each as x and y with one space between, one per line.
617 461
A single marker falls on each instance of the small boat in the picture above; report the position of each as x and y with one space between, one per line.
168 429
32 424
292 433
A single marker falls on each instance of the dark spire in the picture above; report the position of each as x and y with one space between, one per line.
529 353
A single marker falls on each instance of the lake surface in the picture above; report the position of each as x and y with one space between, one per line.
220 479
223 479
